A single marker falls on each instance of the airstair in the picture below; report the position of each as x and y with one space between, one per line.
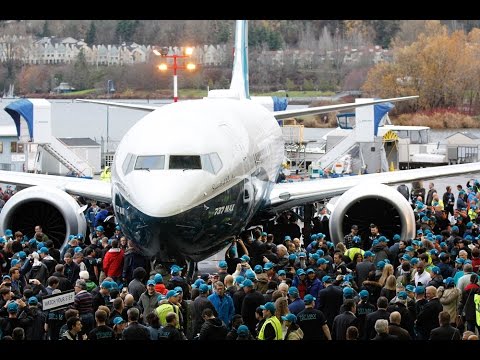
340 149
68 158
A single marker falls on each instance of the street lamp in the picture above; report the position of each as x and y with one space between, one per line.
164 66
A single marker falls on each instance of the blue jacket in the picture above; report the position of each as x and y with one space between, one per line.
224 307
313 288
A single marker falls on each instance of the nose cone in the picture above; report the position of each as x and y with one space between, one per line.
167 193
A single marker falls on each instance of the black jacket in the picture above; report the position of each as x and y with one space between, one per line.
213 329
427 319
370 321
445 333
330 299
341 324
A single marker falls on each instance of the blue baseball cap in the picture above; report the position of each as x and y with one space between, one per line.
290 317
434 252
448 281
292 257
348 292
281 273
172 293
43 250
435 270
406 257
301 272
245 258
239 279
264 233
287 238
310 271
247 282
414 261
79 236
409 248
327 279
22 255
223 264
258 269
118 320
293 291
203 289
106 284
6 277
363 294
178 289
8 232
249 274
420 290
151 282
357 239
32 300
175 269
368 253
242 330
14 262
380 265
12 307
315 257
322 261
77 249
268 266
100 228
402 295
158 278
308 299
410 288
396 237
270 306
320 252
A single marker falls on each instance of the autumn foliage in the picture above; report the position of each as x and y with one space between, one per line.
441 67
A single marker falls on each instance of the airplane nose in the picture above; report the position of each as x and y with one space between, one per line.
163 194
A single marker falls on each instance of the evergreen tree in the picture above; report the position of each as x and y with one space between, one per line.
91 34
45 30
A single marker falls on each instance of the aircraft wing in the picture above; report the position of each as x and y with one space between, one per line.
286 195
123 105
279 115
89 188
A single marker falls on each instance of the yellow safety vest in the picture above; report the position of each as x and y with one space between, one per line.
162 312
276 326
476 299
353 251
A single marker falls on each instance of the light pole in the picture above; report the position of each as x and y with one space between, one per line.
164 66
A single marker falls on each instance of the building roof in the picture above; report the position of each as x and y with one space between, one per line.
469 135
78 142
8 130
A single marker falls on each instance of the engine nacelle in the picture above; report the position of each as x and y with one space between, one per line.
56 211
372 203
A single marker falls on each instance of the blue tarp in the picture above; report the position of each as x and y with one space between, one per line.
379 111
24 108
279 104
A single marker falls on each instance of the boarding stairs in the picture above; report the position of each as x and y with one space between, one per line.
339 150
68 158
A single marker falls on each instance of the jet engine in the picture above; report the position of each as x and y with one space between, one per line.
57 212
372 203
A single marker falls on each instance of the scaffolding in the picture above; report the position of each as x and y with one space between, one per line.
295 145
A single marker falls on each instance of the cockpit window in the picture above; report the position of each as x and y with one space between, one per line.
127 166
211 163
185 162
150 162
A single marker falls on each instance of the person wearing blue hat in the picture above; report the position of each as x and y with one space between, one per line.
199 304
294 332
355 247
297 305
437 278
170 305
271 328
313 321
364 267
364 307
243 333
149 299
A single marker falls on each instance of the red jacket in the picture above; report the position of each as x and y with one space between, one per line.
113 262
161 289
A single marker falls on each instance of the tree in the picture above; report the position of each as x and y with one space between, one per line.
441 68
81 73
91 34
45 30
126 30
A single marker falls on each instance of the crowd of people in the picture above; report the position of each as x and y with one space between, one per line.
271 286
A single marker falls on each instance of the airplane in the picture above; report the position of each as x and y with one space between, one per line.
191 175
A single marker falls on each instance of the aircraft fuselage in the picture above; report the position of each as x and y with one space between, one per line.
190 175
